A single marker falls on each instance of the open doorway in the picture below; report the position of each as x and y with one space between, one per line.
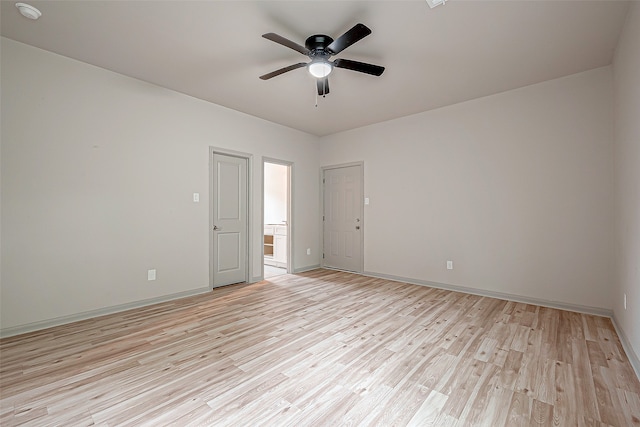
277 235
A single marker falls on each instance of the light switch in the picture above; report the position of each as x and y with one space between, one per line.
366 200
196 197
151 274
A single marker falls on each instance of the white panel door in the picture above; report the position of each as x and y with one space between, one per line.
229 219
343 218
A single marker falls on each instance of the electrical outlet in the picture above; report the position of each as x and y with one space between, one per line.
449 265
151 274
625 301
308 251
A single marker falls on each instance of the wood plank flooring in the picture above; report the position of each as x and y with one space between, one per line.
323 348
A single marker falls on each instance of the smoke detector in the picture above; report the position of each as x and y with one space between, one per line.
28 11
434 3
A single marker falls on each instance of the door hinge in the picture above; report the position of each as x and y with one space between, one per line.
322 256
323 180
323 217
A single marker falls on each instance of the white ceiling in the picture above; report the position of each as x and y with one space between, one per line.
213 50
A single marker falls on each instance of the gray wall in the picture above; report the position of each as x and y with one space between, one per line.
515 188
98 173
626 69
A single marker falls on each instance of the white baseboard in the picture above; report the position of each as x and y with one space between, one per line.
597 311
307 268
631 355
63 320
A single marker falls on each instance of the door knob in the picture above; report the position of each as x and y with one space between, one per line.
357 227
216 228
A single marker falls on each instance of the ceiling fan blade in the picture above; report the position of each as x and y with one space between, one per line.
323 86
358 32
361 67
283 70
286 42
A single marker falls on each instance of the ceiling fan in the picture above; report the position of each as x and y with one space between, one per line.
319 48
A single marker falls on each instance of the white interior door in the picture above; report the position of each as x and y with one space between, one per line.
343 218
229 218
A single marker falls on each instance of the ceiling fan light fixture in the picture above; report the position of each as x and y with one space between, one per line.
320 69
28 11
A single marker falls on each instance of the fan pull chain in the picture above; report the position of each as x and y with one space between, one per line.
316 98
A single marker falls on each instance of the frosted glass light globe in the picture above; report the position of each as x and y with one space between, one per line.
320 69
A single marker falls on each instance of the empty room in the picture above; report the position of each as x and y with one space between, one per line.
320 213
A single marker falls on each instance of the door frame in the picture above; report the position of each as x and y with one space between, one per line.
362 218
290 171
249 179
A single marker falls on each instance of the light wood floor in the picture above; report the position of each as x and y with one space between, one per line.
323 348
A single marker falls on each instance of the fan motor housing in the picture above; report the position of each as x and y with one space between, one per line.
318 42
